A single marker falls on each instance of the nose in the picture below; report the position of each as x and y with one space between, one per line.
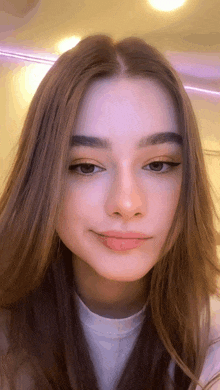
125 197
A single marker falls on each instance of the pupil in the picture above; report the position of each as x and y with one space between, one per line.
87 167
158 165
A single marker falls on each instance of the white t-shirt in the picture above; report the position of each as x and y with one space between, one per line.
111 342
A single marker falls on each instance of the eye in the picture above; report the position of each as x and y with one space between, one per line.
171 165
88 169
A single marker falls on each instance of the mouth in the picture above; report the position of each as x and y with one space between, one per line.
120 244
123 235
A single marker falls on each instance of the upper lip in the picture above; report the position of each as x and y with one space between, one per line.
120 234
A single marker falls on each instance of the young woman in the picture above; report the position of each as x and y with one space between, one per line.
107 240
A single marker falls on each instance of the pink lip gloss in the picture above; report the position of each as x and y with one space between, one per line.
121 244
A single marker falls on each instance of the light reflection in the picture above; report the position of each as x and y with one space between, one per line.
168 5
67 44
202 90
26 81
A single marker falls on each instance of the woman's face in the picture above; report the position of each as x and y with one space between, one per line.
123 189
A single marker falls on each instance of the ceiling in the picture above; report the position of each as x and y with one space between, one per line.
189 36
41 24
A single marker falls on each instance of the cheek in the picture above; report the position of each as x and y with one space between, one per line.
76 205
162 200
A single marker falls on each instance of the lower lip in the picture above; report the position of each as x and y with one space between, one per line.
121 244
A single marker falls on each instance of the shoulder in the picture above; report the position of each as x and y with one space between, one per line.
212 362
212 366
215 317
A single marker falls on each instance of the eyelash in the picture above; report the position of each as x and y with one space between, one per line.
171 164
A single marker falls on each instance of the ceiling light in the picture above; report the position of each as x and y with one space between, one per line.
67 44
166 5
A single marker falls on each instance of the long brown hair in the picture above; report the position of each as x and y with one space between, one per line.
36 276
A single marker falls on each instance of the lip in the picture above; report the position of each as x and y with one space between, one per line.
119 244
118 234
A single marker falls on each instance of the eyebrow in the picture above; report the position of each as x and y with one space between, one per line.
104 143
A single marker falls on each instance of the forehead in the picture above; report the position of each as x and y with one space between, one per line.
126 109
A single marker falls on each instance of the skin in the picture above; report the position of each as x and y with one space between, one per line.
122 193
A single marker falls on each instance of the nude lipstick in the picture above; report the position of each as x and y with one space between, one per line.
122 241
